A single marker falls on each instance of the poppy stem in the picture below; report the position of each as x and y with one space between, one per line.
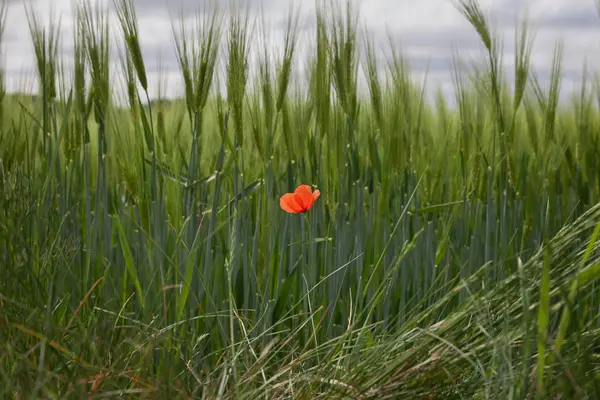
303 242
303 269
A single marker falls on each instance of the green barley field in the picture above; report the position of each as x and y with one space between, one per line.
452 254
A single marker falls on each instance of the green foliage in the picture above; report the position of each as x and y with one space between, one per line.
453 252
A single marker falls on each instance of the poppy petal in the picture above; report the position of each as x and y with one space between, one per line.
316 195
304 197
288 203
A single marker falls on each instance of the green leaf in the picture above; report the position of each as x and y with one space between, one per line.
148 136
129 261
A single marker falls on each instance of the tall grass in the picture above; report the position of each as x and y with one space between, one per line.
452 254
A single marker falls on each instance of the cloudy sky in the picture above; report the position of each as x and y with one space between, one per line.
427 31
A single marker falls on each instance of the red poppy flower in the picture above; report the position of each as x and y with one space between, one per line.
300 201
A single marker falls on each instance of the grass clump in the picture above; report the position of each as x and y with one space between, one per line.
453 252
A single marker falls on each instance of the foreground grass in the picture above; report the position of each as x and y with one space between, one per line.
453 252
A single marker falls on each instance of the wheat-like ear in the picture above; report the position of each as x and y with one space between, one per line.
197 52
286 62
128 19
3 16
237 68
472 11
344 57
